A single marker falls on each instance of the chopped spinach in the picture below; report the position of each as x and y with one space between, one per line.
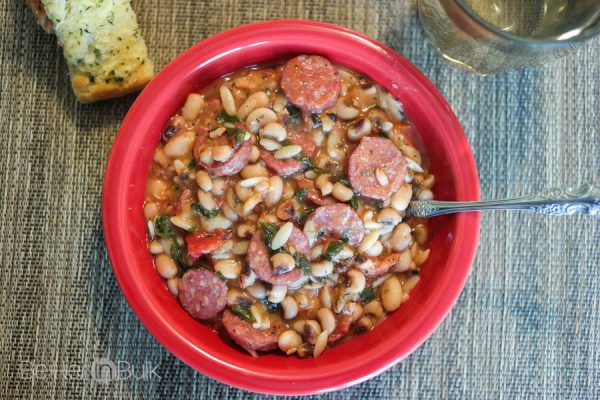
269 231
208 214
333 249
367 294
220 276
163 228
302 216
354 202
341 179
332 116
192 163
383 134
224 117
345 237
243 312
302 262
294 112
309 163
238 134
299 195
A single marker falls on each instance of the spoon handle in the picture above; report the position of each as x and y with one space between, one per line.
585 199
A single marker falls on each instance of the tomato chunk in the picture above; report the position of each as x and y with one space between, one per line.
200 243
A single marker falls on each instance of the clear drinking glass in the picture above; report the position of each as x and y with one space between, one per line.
488 36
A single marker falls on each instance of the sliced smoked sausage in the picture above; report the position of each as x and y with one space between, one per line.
376 155
290 166
248 337
335 220
259 258
202 294
311 83
239 159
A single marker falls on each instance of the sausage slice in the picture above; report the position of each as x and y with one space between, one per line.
202 294
259 258
311 83
336 220
372 156
246 336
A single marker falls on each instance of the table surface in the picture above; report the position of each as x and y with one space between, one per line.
527 324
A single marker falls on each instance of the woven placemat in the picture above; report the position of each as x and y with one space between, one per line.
526 326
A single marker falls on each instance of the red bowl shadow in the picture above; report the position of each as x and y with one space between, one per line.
453 242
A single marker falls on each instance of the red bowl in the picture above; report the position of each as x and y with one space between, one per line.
453 238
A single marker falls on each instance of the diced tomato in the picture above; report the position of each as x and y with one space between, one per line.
200 243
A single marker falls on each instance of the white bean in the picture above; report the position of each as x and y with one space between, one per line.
254 170
373 308
204 180
368 241
320 344
287 152
206 200
404 262
356 281
277 293
312 330
401 198
222 153
257 290
192 106
180 144
425 194
240 248
290 307
227 100
325 297
156 247
259 118
215 133
289 342
206 156
345 110
381 177
173 286
242 192
251 203
321 268
389 216
270 144
326 319
165 266
218 187
375 250
282 263
258 99
275 131
150 210
255 154
275 191
316 252
251 182
183 222
282 236
359 129
230 269
213 224
391 294
401 238
342 192
410 283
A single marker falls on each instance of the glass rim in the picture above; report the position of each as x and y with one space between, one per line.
587 34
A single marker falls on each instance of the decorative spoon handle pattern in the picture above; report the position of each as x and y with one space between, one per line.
584 199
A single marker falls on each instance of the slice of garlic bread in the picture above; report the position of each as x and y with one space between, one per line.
102 43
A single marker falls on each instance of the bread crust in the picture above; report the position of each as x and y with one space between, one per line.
102 80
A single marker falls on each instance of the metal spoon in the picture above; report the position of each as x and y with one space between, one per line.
585 199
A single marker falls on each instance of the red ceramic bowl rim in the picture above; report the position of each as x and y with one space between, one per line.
116 229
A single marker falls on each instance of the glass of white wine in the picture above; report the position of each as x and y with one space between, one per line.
489 36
